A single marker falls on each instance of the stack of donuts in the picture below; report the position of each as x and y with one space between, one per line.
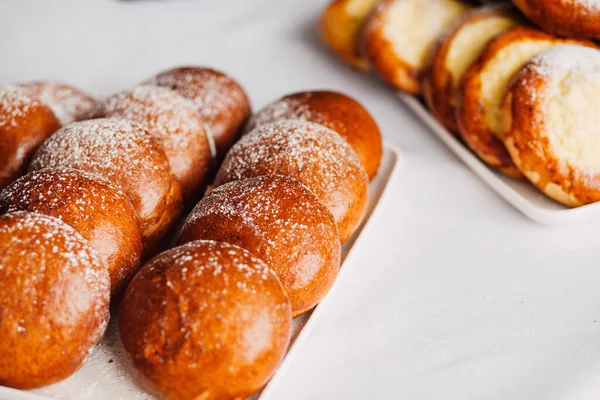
92 189
518 83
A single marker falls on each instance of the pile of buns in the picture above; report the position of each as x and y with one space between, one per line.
89 190
518 83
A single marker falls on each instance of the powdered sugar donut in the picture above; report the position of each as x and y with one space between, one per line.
54 292
334 110
174 121
68 103
280 221
205 320
122 152
94 207
25 122
311 153
553 126
220 100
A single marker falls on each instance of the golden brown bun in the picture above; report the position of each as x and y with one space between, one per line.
24 124
205 320
221 101
94 207
54 293
174 121
455 51
122 152
399 34
552 123
571 18
480 94
280 221
311 153
334 110
339 26
68 103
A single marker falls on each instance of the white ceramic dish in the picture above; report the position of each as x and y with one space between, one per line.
106 374
521 194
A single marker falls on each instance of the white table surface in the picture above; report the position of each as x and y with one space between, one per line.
461 297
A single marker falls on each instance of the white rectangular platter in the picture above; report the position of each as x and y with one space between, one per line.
106 374
521 194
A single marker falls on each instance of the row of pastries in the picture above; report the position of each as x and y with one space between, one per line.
516 82
92 189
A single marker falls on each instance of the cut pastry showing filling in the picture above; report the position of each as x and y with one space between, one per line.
399 35
340 24
479 114
553 123
454 53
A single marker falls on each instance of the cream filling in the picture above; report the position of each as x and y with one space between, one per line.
359 9
413 26
468 43
497 74
572 118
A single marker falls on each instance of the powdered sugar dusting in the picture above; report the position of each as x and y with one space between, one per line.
309 152
68 103
576 59
15 103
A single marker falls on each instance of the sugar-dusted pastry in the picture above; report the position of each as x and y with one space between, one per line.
205 320
68 103
175 122
454 53
479 100
334 110
280 221
400 34
220 100
340 25
54 294
553 123
122 152
311 153
569 18
94 207
25 122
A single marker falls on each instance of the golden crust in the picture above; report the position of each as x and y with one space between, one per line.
205 320
280 221
564 18
471 112
439 84
25 122
527 141
380 50
54 293
94 207
340 27
334 110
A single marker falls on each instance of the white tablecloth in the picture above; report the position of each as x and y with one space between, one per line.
461 297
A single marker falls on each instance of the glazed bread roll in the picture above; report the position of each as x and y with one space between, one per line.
122 152
479 100
339 26
280 221
570 18
553 125
311 153
174 121
25 122
334 110
54 293
220 100
94 207
68 103
205 320
456 51
399 35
